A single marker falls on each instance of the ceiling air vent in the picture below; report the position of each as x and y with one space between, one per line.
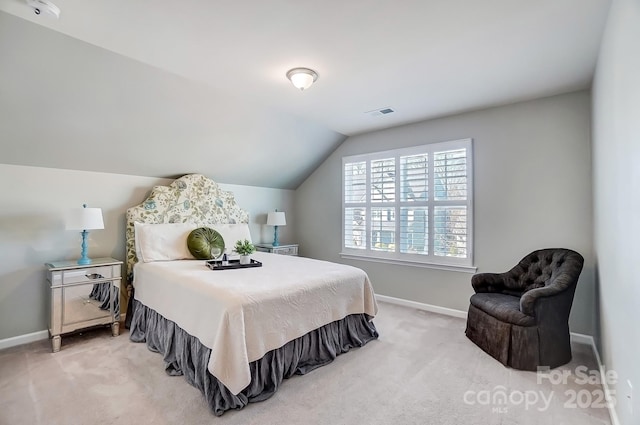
380 112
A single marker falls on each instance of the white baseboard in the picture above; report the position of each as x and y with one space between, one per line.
588 339
422 306
575 337
35 336
23 339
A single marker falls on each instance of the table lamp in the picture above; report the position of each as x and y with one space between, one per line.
276 219
84 219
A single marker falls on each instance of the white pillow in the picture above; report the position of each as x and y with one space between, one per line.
231 233
163 242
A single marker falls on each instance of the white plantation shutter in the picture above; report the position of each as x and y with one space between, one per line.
410 205
355 228
414 230
414 211
355 193
450 232
450 175
383 180
450 206
355 182
414 181
383 229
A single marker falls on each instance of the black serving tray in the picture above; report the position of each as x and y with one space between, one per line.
233 264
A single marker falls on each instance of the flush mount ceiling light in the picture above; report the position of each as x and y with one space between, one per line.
44 7
302 78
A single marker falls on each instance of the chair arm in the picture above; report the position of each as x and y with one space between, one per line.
488 282
528 299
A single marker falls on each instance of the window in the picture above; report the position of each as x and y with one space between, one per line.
411 205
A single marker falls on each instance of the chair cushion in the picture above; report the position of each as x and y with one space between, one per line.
503 307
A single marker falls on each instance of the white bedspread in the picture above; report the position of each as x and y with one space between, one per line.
242 314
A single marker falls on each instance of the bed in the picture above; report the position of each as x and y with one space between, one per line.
235 334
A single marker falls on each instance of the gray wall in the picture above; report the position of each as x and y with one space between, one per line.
616 167
532 164
34 201
60 95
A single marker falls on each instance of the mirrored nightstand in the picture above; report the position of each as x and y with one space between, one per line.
291 249
83 296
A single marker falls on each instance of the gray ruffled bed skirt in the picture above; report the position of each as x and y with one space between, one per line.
185 355
100 293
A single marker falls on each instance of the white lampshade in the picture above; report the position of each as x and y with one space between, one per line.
276 218
84 219
302 78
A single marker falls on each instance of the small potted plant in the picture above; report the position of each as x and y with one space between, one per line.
244 248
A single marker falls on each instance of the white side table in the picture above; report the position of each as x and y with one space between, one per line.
83 296
291 249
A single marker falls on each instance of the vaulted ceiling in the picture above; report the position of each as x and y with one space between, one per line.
161 88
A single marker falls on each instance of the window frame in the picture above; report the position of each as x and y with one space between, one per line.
421 260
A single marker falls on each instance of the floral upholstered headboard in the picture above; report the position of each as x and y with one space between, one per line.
192 198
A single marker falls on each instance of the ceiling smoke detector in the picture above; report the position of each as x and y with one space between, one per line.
44 7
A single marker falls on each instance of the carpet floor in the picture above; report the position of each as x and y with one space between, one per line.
422 370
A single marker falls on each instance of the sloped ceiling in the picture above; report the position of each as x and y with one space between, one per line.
166 88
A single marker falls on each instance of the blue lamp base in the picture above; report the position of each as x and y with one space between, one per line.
276 242
84 260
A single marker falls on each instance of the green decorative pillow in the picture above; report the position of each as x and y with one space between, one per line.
202 241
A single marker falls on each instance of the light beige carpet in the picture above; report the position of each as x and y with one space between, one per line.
422 370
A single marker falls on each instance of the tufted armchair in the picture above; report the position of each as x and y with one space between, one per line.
521 317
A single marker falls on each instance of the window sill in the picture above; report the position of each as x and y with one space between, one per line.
447 267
